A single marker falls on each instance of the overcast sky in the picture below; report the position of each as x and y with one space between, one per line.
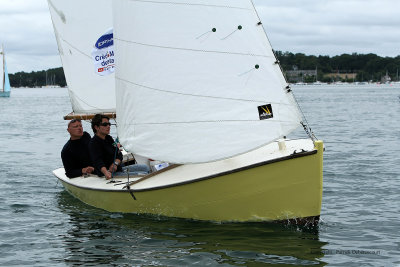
313 27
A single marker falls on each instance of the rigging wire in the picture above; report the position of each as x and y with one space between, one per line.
305 124
128 187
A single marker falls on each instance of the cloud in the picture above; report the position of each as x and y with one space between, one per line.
332 27
27 35
313 27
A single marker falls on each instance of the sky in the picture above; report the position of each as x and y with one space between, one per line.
312 27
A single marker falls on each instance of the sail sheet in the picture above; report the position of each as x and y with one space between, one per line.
77 26
197 80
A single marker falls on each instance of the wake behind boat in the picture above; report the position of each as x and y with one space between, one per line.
206 96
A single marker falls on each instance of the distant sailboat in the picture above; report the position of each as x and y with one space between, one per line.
197 85
5 88
50 82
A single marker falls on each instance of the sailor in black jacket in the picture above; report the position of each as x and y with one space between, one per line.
75 153
105 153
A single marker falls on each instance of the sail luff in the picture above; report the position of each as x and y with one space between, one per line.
198 91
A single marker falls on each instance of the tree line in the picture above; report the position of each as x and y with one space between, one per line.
38 78
367 67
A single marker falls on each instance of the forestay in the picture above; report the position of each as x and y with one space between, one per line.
196 80
77 26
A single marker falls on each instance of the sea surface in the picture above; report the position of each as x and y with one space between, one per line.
42 225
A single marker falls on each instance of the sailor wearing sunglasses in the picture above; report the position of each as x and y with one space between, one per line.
105 155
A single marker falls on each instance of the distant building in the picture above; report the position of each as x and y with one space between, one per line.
299 75
341 76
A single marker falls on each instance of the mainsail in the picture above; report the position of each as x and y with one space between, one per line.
197 80
77 26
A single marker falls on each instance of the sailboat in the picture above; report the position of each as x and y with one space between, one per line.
198 87
5 88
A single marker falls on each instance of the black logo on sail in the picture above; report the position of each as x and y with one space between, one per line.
265 112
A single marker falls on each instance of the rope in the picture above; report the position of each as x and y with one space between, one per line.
115 157
128 184
305 124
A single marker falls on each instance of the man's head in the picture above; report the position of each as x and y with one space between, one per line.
101 125
75 129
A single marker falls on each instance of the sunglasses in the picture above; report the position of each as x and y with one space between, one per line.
105 124
73 121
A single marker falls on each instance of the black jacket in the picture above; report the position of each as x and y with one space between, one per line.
75 156
103 153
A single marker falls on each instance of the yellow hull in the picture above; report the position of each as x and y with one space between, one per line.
282 189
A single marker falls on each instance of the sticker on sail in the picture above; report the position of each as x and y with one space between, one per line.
265 112
103 54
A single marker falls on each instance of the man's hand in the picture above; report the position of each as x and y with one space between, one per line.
106 173
87 170
113 168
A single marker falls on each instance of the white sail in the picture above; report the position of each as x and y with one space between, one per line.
2 61
191 78
77 26
5 87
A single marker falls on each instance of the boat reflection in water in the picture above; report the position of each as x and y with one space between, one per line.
94 236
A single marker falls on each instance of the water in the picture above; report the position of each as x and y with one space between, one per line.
42 225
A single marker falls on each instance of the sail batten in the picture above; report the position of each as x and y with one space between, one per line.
260 101
195 50
197 82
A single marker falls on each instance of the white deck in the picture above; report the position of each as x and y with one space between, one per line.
186 173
